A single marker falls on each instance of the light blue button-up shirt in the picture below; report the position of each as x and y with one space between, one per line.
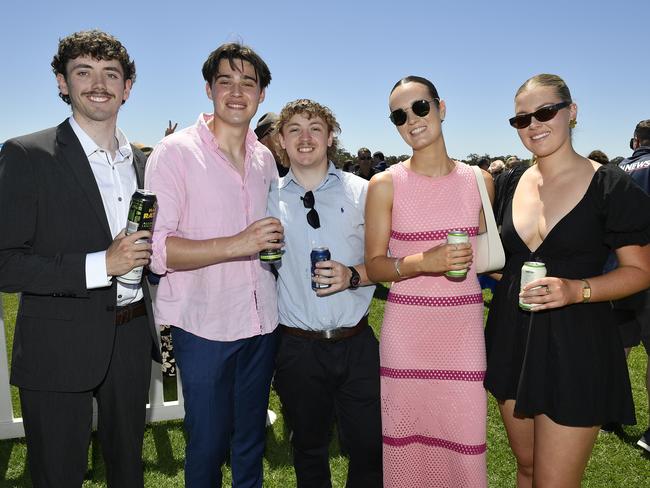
340 203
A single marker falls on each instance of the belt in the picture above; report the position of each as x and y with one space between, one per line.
129 312
327 335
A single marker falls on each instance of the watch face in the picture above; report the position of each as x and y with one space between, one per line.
355 279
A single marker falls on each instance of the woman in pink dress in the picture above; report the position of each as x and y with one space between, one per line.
432 352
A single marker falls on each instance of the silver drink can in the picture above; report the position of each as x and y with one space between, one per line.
457 237
530 271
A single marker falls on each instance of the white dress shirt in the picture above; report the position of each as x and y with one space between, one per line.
117 181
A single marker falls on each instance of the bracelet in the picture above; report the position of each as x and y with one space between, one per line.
396 263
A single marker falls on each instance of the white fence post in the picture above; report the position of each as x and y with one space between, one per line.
9 426
157 409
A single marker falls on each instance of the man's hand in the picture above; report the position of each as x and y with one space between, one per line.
124 254
331 273
263 234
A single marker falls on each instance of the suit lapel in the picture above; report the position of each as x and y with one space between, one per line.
74 156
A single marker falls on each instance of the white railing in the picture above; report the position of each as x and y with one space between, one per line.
157 410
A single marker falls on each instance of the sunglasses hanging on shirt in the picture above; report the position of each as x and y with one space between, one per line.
312 216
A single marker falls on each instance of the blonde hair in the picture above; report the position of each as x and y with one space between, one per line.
548 80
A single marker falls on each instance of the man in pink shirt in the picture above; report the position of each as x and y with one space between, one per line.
212 180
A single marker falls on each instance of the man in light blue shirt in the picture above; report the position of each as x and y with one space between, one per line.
327 364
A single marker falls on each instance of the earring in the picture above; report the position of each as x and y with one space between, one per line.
572 123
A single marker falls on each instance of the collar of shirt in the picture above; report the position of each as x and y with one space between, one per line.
89 146
208 137
332 177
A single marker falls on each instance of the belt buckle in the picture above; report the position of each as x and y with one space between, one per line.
329 334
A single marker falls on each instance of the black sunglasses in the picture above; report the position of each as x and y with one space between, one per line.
312 216
421 108
543 114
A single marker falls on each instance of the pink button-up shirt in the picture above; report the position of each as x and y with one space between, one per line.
202 196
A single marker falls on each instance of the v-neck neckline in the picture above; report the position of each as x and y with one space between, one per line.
557 224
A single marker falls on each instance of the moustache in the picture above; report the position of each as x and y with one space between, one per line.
98 94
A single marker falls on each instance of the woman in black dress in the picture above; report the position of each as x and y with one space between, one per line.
559 372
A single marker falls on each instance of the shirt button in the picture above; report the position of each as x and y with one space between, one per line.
119 296
119 199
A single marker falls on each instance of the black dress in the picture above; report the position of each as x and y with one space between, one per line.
568 363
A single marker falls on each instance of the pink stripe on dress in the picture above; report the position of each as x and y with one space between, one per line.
468 449
432 374
431 235
428 301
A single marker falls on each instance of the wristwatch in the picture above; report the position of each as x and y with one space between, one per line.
586 291
355 279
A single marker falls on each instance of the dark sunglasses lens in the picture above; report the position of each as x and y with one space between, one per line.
545 114
421 108
520 121
398 117
313 219
308 200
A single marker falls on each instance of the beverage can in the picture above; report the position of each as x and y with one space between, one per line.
142 212
530 271
271 255
318 254
457 237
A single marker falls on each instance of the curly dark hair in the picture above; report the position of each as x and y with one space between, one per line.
232 51
93 43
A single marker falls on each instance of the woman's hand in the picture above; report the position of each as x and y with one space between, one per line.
550 292
446 257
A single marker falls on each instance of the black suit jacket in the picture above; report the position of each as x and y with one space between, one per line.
51 216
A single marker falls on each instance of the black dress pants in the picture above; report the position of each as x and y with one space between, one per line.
317 379
58 424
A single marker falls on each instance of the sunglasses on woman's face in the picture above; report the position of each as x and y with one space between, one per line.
421 108
543 114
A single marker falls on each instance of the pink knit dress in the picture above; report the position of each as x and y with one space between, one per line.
432 350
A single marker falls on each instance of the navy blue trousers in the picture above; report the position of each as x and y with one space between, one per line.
226 389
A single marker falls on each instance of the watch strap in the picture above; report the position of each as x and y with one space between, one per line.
355 278
586 291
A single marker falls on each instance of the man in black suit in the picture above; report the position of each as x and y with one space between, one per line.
64 198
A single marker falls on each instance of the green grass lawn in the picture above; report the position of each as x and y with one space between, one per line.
616 461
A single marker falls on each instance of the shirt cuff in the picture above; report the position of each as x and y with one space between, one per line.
96 276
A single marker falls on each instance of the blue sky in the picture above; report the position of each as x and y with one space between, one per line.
347 55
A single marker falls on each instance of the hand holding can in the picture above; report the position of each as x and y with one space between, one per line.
318 254
457 237
142 212
530 271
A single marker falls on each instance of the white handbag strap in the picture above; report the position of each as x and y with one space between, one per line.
488 213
